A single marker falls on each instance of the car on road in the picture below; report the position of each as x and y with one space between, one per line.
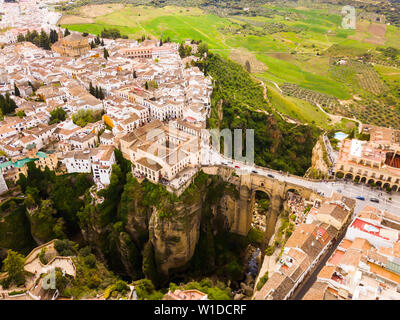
237 167
360 198
254 171
270 175
374 200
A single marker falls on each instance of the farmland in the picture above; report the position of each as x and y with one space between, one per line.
291 46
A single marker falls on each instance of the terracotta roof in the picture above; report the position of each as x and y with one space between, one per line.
326 272
148 163
317 291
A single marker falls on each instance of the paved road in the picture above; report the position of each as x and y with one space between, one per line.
349 189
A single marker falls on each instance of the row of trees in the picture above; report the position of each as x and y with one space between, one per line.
42 40
96 91
112 33
96 42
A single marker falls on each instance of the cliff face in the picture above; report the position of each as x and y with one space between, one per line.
174 239
319 167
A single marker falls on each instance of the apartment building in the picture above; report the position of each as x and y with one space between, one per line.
99 161
376 161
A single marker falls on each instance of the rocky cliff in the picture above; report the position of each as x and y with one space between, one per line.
319 167
148 212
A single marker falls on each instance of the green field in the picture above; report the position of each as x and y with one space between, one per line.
298 109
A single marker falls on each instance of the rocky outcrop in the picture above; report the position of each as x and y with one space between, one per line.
319 167
174 239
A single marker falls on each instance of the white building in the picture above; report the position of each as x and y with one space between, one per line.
98 160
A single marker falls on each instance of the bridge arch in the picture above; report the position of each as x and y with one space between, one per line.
363 180
339 174
386 185
395 188
349 176
371 181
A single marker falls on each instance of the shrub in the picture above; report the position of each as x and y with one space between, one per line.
262 281
270 250
90 260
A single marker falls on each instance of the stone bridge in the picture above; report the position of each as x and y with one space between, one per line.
247 185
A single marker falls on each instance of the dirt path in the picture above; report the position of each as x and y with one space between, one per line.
338 118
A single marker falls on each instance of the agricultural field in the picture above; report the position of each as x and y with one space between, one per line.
357 74
289 47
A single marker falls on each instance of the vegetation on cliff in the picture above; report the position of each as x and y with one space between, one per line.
14 266
53 201
15 231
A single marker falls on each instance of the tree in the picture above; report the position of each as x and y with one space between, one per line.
106 54
66 32
134 74
181 50
247 66
14 266
21 114
202 48
146 85
352 134
16 91
101 94
7 105
44 41
20 38
92 90
65 247
53 36
188 51
58 115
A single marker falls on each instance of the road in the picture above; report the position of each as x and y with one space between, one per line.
326 188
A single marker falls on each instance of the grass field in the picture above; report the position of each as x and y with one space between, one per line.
298 109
